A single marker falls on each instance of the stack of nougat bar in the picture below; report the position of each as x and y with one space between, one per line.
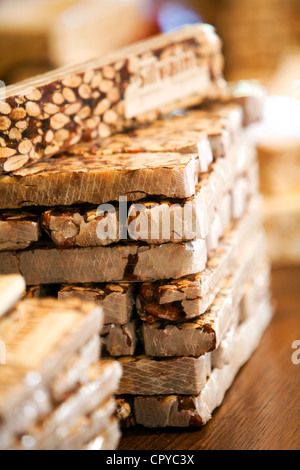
55 393
157 219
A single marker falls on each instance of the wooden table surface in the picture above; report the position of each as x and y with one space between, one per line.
262 409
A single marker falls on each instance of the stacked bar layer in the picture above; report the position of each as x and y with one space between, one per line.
55 393
161 227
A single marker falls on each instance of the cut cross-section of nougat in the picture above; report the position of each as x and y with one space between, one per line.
143 375
192 338
190 296
106 440
204 333
90 177
12 287
47 114
18 230
120 340
76 371
117 300
195 411
103 380
88 427
124 262
41 336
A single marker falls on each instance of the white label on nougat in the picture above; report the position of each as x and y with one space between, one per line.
161 82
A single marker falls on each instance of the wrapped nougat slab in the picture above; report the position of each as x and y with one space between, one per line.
103 380
120 262
47 114
190 297
76 371
116 300
144 375
120 340
91 177
88 427
18 230
106 440
12 287
205 332
192 338
194 411
32 363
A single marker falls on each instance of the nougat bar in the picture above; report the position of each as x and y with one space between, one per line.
89 177
191 295
76 371
192 338
41 336
12 287
209 132
106 440
124 262
143 375
18 230
205 332
116 300
154 221
120 340
45 115
194 411
88 427
103 382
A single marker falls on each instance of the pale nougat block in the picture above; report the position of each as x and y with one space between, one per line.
88 427
12 287
116 300
103 380
31 362
218 264
18 230
90 177
143 375
193 338
107 440
24 399
124 262
76 371
120 340
195 411
179 301
204 333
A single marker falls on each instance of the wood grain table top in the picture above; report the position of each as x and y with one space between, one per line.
261 411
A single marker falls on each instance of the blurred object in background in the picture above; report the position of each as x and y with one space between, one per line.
38 35
278 145
92 28
257 34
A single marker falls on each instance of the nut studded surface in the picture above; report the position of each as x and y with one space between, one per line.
52 112
97 179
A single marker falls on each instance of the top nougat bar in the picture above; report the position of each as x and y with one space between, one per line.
49 113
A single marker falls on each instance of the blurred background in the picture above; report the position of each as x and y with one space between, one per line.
261 40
